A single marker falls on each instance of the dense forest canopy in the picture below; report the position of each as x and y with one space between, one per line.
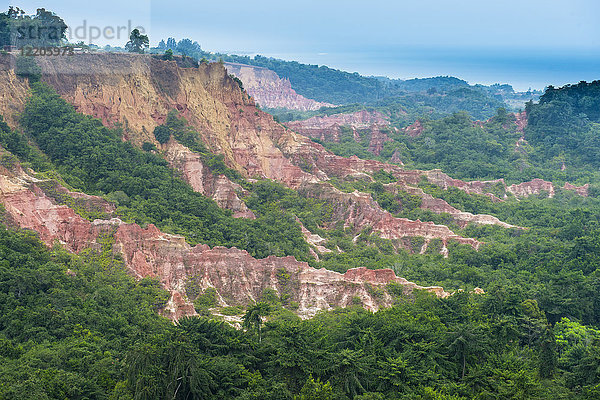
80 327
565 125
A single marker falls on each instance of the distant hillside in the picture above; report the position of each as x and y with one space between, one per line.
271 91
329 85
402 110
565 126
322 83
557 139
438 83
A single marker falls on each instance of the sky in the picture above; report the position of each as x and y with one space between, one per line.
527 43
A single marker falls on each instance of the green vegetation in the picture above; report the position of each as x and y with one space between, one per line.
461 149
168 56
87 209
565 127
560 142
389 198
285 115
137 42
347 145
26 67
269 196
80 327
443 95
68 322
452 144
94 159
20 30
313 81
77 326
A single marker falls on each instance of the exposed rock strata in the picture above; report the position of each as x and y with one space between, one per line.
138 92
238 278
313 239
13 91
271 91
521 121
143 90
525 189
415 129
328 128
580 190
202 180
533 187
359 210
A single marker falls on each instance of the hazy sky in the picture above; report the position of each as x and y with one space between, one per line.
523 42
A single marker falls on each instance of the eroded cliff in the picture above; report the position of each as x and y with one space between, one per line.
370 124
137 92
271 91
218 187
238 278
13 91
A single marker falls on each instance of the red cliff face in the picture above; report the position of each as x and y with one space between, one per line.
201 179
238 278
533 187
359 210
580 190
328 128
521 121
228 120
241 279
144 90
525 189
415 129
13 91
269 90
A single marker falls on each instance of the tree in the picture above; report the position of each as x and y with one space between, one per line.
171 43
4 29
168 55
162 133
349 369
396 373
548 356
466 345
26 67
52 29
147 146
42 29
137 42
316 390
188 48
254 317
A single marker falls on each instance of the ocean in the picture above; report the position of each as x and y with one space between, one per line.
523 69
